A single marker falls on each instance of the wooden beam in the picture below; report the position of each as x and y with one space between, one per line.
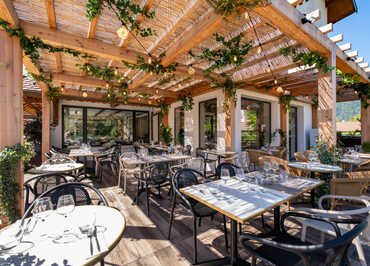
91 46
345 47
98 83
295 2
326 28
92 27
8 13
286 18
359 60
337 38
364 65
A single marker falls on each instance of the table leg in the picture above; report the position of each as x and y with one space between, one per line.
234 243
139 187
312 175
277 220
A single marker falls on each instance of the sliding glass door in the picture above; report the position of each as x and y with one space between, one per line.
255 123
208 123
293 122
72 126
179 135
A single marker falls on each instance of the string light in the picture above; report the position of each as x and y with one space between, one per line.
108 95
235 58
191 70
275 82
286 92
259 50
149 60
107 85
279 89
246 15
122 32
268 69
124 92
150 102
62 88
84 94
116 71
151 73
156 91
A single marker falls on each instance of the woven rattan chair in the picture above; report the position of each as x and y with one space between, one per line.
254 155
283 164
300 157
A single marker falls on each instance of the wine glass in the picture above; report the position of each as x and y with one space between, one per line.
239 173
225 175
267 166
43 208
66 205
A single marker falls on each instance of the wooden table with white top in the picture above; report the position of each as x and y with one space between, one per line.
219 154
241 201
86 153
56 168
45 249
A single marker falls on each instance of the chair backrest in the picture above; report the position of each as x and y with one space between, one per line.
283 164
228 166
255 154
349 186
79 191
300 157
331 252
159 171
196 163
307 153
188 150
185 177
357 174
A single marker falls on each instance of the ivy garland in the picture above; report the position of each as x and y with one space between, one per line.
285 101
349 81
233 52
315 101
9 159
229 7
125 11
187 101
31 48
153 67
229 87
164 108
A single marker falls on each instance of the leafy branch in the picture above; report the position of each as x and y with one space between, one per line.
230 7
154 66
285 101
187 101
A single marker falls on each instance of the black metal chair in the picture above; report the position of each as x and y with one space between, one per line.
155 175
108 158
39 184
188 150
80 193
228 166
183 178
285 249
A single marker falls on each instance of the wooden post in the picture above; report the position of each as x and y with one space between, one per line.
11 100
327 101
314 117
365 123
284 127
55 112
230 126
45 143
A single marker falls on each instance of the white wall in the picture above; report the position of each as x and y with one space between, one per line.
304 120
56 132
311 5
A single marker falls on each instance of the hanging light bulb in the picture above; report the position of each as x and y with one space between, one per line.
116 71
108 95
235 58
124 93
150 102
246 15
191 70
88 68
268 69
259 50
275 82
286 92
62 88
107 85
122 32
84 94
279 89
156 91
149 60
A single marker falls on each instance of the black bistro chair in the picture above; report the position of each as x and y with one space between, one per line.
37 185
82 195
183 178
286 249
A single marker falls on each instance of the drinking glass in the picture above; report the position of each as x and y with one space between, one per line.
66 205
267 166
43 208
225 175
239 173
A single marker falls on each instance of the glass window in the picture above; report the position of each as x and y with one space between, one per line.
73 126
105 125
179 135
208 123
142 126
293 127
255 123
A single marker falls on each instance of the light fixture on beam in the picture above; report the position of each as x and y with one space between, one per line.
116 71
279 89
246 15
84 94
122 32
259 50
235 58
191 70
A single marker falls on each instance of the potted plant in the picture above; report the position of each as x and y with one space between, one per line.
166 134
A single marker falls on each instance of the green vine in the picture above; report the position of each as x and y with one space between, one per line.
232 52
230 7
154 66
166 134
125 11
285 101
9 159
164 108
315 101
349 81
187 101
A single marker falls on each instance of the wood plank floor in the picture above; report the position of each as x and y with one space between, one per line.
145 239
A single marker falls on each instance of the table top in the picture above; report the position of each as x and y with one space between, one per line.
110 224
156 159
56 168
352 160
240 200
84 153
219 153
316 167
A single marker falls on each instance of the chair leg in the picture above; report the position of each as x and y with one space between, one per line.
254 261
360 251
147 192
195 240
102 263
240 229
263 221
137 192
304 232
171 216
225 234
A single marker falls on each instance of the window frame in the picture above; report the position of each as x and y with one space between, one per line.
204 101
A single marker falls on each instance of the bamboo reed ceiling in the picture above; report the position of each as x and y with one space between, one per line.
174 22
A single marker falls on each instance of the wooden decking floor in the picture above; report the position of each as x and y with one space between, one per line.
145 238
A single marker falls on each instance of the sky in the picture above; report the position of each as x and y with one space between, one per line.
355 29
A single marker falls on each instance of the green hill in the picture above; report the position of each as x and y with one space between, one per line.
346 110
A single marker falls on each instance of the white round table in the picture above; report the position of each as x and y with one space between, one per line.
110 224
56 168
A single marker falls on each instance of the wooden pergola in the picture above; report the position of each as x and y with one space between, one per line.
181 26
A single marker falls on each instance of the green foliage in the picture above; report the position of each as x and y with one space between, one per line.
125 11
9 159
231 7
166 134
315 101
164 108
187 101
285 101
181 136
230 52
154 67
33 131
366 146
346 110
328 154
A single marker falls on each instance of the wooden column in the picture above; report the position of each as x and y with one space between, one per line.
45 143
11 100
230 126
365 124
326 114
284 126
165 120
55 112
314 117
